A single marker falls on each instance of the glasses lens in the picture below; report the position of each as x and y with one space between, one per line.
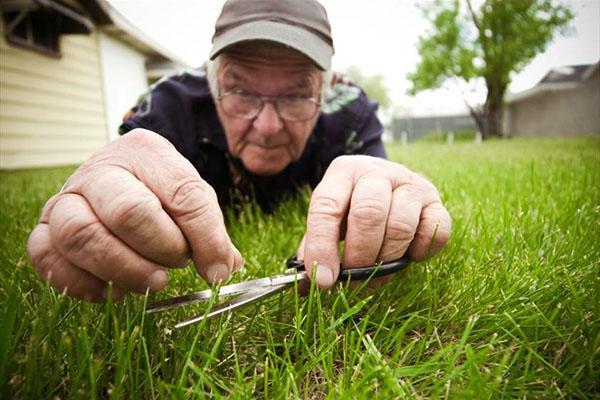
247 106
296 108
241 105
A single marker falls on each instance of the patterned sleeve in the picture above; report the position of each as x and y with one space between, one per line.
351 122
166 109
368 133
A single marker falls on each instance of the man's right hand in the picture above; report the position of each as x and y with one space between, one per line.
135 208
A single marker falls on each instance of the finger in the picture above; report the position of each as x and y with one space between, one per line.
402 223
61 274
189 200
81 239
135 215
400 229
300 251
327 209
367 217
433 232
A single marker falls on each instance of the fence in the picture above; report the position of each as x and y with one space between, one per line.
417 127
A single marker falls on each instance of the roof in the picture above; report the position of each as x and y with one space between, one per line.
569 73
559 78
113 23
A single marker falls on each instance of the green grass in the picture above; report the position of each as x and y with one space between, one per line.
442 137
510 309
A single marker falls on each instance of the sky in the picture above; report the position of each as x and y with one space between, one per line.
378 36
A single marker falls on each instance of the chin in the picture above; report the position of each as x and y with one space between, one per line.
264 168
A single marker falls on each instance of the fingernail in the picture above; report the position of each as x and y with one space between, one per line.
323 276
157 280
217 272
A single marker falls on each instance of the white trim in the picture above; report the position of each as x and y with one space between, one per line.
122 24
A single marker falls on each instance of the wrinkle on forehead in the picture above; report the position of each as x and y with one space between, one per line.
231 76
238 65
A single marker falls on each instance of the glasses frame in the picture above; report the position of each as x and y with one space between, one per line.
268 99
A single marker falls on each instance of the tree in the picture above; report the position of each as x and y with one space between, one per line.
372 85
491 43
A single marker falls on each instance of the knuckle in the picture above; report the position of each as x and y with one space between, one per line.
346 160
425 188
145 139
398 230
326 206
192 198
369 213
133 210
340 161
76 233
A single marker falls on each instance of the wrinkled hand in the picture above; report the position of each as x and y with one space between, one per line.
381 208
133 209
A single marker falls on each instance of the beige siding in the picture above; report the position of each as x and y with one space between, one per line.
51 110
568 112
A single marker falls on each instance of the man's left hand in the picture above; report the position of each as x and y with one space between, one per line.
380 208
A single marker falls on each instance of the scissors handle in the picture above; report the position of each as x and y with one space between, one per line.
362 273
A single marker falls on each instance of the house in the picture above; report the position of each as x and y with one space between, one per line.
566 102
69 70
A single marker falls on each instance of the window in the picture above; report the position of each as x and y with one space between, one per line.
37 25
36 30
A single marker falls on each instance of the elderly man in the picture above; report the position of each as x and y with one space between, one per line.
266 118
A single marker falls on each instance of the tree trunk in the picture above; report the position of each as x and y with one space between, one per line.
492 110
492 120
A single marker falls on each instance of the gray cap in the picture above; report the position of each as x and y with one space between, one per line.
299 24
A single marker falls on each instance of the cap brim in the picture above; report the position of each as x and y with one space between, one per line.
295 37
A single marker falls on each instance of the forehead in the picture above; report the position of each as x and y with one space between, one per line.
263 64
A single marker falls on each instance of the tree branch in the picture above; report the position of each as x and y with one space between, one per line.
474 16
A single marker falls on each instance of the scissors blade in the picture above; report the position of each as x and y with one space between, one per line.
236 288
238 302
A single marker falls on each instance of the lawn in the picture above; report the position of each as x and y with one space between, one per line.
510 309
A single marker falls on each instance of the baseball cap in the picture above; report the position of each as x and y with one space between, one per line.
300 24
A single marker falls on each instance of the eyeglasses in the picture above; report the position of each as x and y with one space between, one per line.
244 105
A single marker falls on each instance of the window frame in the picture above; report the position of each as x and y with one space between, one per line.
45 22
25 16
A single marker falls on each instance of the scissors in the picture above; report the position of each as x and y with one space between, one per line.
255 290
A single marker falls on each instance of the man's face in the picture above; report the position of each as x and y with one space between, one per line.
267 143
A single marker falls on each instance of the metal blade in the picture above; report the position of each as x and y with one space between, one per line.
238 302
236 288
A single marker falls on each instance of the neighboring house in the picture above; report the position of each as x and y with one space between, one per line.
566 102
69 70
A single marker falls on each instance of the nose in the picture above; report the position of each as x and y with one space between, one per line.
268 122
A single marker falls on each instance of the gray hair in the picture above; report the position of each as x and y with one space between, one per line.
212 70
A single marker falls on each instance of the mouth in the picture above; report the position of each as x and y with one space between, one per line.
269 146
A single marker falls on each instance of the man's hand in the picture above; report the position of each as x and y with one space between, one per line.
134 208
381 208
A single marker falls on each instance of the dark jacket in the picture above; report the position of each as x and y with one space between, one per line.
181 109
